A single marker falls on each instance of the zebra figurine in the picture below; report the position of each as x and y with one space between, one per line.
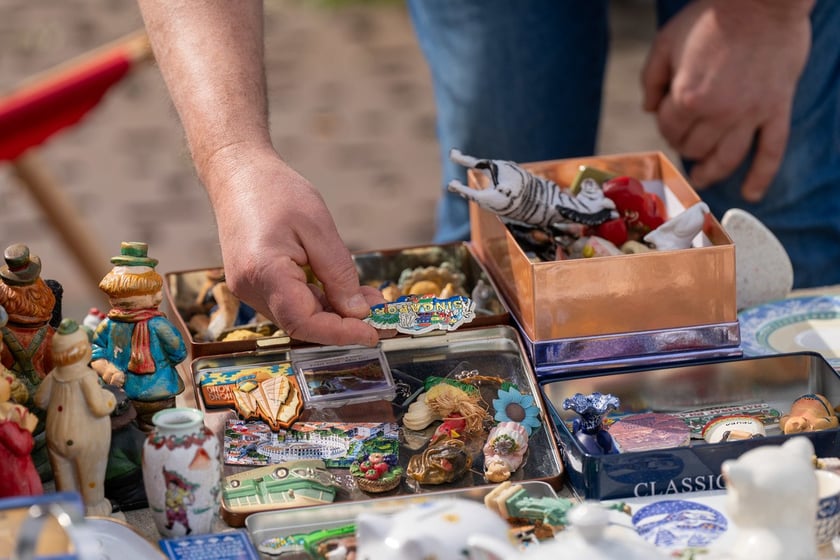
521 197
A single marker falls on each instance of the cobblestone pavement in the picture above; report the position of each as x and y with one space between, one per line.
351 109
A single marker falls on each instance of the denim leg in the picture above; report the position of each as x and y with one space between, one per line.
802 205
512 80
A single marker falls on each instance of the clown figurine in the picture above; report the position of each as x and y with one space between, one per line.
78 419
135 347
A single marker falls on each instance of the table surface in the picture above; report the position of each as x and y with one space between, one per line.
141 520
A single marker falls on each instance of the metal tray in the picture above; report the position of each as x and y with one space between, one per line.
374 268
493 351
775 380
267 525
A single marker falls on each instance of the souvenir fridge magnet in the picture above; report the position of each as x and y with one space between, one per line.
414 314
731 428
330 379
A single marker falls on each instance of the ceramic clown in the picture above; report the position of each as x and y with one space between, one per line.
136 347
78 419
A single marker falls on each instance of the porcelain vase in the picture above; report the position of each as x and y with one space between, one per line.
182 472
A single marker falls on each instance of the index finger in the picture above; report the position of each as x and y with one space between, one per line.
302 315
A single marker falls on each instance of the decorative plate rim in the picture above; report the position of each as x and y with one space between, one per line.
755 322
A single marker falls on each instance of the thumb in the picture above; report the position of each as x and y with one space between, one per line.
333 265
656 75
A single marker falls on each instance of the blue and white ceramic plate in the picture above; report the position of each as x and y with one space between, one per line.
678 522
809 323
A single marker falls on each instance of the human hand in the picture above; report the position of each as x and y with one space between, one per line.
721 75
273 222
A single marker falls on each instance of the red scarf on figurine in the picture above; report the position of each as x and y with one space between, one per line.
141 360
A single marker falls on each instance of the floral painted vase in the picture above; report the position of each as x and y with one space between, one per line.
182 472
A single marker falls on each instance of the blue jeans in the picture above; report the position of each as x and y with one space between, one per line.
523 81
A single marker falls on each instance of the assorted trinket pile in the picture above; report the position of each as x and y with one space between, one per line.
599 214
601 428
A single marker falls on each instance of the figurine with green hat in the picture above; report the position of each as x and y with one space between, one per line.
136 347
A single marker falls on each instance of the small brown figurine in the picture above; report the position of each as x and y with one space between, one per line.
78 419
136 347
29 303
809 413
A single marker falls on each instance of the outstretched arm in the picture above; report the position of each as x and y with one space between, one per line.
271 220
721 76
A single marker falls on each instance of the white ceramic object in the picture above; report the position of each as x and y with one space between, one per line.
772 499
590 536
436 529
679 231
78 426
182 472
828 512
763 271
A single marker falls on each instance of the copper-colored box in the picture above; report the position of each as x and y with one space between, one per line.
617 295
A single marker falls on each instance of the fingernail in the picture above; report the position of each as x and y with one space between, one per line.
357 303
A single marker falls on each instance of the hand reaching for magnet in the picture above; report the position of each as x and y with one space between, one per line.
272 223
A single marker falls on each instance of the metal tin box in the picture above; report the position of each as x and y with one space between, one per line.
493 351
583 310
268 525
767 380
182 289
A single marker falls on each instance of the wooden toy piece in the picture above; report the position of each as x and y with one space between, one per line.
809 413
679 231
78 419
18 476
136 347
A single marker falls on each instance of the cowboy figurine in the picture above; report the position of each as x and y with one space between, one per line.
135 347
27 336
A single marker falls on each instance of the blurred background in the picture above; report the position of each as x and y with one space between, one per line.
351 109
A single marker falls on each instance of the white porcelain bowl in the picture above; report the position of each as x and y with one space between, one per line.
828 514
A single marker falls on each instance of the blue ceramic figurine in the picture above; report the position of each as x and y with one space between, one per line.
136 347
589 428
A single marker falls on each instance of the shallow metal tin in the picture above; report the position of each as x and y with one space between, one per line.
617 296
776 380
374 268
639 349
268 525
494 351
